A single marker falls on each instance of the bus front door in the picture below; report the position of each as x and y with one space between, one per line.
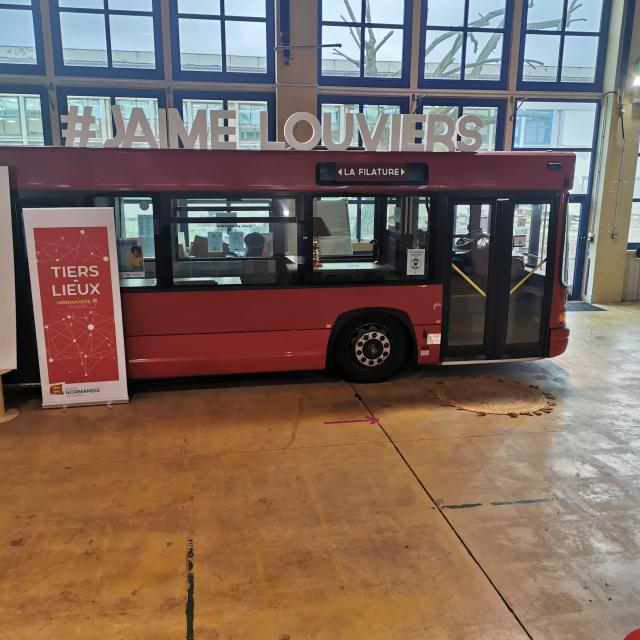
500 278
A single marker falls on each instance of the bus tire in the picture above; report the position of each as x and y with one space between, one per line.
370 348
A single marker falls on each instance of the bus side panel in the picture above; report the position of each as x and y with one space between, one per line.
185 333
220 353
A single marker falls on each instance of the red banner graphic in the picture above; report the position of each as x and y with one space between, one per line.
74 273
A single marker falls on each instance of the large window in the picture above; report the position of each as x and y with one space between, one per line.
634 228
374 39
491 113
22 120
559 126
370 239
231 242
20 39
223 39
564 126
246 106
101 109
563 44
465 43
107 37
339 107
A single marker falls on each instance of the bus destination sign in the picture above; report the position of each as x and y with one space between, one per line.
370 173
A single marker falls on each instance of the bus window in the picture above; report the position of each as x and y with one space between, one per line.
135 238
227 242
365 239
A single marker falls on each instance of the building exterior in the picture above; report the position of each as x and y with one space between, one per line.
542 75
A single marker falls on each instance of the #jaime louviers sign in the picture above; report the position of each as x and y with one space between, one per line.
216 130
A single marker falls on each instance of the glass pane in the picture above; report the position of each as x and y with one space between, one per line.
584 15
150 108
634 229
483 56
574 210
541 55
445 13
236 252
131 5
200 45
489 117
533 128
451 111
487 13
191 107
20 120
247 8
555 124
247 122
344 61
583 167
337 11
338 112
82 4
385 12
372 112
84 40
17 40
545 14
333 229
528 271
101 111
204 7
132 44
383 53
579 59
246 46
469 274
443 55
636 190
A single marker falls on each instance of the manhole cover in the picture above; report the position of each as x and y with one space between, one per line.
485 395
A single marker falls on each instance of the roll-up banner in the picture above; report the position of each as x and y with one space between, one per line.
73 267
8 355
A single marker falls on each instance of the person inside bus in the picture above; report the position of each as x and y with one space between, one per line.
261 271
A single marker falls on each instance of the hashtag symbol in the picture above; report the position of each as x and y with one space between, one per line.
78 126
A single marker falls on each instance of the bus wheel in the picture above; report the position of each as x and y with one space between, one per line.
371 349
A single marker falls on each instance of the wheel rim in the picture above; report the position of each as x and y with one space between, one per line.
370 346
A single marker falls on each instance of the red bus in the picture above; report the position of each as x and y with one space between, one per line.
287 260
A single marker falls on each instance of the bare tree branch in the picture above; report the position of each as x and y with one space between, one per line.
384 40
346 57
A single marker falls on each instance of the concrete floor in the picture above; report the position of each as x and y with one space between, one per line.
296 529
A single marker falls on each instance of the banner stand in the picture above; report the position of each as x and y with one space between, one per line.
73 267
5 416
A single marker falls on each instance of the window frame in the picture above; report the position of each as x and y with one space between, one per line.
106 92
462 83
36 17
594 140
169 221
500 104
43 93
223 76
559 85
402 102
584 199
180 96
109 71
361 80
